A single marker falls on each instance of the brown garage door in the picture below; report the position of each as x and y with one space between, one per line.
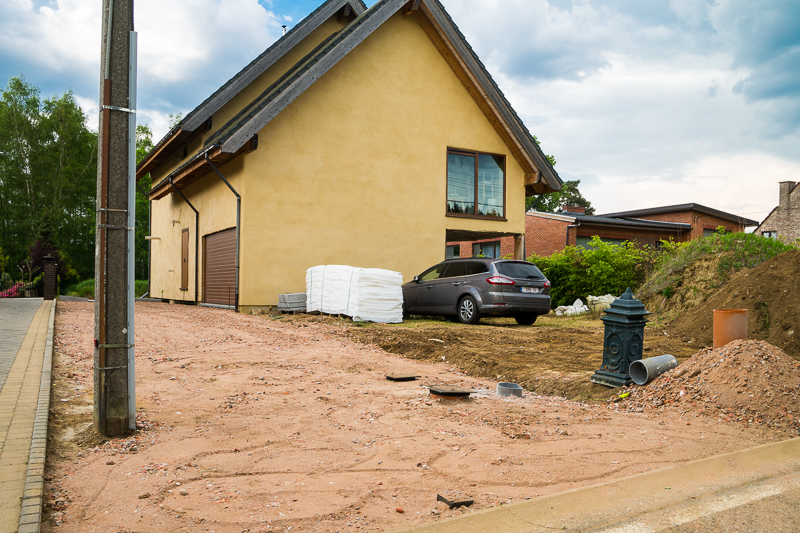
219 268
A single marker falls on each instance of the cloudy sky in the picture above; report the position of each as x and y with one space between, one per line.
648 103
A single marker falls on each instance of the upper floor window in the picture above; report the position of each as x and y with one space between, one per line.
476 184
770 234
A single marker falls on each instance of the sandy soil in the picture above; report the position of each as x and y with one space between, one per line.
255 423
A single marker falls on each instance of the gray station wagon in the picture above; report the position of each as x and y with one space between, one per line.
476 287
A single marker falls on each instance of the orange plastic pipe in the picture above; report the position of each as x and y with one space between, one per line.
729 325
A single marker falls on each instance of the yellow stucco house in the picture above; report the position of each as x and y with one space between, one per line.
365 137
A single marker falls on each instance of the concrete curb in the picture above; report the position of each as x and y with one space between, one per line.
32 499
638 502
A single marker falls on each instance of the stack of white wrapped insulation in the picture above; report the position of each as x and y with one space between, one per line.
364 294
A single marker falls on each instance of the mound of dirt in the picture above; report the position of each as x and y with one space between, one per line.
748 381
769 292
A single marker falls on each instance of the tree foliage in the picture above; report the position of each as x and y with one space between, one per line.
48 169
144 143
569 195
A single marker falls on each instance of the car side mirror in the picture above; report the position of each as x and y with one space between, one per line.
416 278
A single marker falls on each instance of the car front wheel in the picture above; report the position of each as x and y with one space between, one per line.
525 320
468 311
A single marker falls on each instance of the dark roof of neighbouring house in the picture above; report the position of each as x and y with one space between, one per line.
633 223
637 213
199 117
230 138
629 222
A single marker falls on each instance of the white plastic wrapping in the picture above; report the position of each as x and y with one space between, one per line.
364 294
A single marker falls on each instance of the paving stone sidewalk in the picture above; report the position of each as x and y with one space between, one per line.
26 348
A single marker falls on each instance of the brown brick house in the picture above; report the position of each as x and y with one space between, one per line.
784 221
547 233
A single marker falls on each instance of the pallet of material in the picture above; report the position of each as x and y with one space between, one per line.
292 303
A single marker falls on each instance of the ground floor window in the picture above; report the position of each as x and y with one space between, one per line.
486 249
452 250
719 229
586 242
770 234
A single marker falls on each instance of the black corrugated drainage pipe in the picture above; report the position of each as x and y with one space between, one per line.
196 237
238 225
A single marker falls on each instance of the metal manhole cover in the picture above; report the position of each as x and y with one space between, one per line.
449 391
402 377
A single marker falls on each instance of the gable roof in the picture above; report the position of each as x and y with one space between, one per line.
198 120
792 190
682 207
235 136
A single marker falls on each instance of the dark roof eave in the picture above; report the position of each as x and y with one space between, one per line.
200 114
649 224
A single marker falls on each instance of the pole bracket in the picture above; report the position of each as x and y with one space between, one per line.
115 345
115 108
111 210
111 367
110 226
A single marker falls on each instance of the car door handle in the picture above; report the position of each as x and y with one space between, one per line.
430 286
456 283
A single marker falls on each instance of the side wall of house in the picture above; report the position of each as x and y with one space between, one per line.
785 219
251 91
171 215
699 222
640 236
545 236
355 170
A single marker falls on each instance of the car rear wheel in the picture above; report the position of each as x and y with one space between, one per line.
468 311
526 319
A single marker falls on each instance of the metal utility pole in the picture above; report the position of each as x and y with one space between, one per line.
114 373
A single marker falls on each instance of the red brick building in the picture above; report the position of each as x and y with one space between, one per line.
784 221
547 233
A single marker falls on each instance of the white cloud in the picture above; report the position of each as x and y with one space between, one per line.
63 37
184 40
187 48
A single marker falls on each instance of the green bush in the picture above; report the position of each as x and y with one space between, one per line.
602 268
140 287
85 289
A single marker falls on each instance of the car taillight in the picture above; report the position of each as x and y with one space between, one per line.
547 284
500 280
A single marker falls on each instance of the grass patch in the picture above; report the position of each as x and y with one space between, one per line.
85 289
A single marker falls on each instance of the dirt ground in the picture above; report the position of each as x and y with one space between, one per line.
556 357
768 292
264 423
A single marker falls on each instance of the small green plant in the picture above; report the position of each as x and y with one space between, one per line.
668 292
763 314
